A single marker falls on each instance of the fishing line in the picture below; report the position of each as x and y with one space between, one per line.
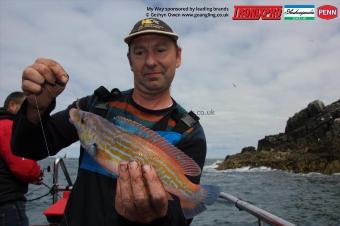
48 150
42 196
42 127
42 183
34 199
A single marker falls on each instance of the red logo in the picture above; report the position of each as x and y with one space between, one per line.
256 12
327 12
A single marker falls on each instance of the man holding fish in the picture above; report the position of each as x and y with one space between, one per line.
141 159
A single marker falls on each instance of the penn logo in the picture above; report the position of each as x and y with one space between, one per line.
327 12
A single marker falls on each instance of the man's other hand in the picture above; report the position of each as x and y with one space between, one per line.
140 195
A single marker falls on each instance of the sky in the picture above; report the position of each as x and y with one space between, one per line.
247 77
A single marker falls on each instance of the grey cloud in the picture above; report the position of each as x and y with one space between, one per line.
277 67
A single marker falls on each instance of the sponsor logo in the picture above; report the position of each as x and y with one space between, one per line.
327 12
148 22
257 12
299 12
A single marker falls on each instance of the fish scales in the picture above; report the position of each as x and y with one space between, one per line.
131 150
149 157
162 167
125 140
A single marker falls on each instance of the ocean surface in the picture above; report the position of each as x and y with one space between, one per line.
302 199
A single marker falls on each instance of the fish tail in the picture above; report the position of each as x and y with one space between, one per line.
211 193
206 195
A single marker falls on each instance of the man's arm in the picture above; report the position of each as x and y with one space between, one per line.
34 130
28 139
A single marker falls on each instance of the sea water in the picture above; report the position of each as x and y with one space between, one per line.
302 199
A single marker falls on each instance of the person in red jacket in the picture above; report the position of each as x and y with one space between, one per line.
15 172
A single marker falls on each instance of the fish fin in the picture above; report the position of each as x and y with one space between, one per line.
108 165
192 206
188 165
190 213
212 193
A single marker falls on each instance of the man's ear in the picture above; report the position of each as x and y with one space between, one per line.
179 57
128 56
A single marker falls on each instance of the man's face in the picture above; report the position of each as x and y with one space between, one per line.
14 107
153 59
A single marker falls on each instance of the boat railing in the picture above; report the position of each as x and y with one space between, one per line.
59 163
260 214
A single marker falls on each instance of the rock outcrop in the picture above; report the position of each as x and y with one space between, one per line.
310 143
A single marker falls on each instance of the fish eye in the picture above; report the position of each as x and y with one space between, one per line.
82 119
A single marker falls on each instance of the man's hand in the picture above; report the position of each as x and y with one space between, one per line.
140 195
44 80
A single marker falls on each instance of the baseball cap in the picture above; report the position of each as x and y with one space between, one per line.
150 25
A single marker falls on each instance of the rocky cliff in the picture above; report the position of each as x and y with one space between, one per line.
310 143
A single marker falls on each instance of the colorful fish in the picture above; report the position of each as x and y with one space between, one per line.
126 140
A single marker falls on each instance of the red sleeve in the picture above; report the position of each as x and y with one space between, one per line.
25 170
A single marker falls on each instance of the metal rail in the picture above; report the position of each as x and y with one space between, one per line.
59 162
262 215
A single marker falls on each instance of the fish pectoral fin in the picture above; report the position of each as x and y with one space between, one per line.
99 153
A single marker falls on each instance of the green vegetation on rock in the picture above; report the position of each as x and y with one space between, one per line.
310 143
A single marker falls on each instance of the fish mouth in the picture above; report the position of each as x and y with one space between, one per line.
74 115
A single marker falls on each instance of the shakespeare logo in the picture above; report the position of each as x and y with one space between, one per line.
299 12
327 12
257 12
